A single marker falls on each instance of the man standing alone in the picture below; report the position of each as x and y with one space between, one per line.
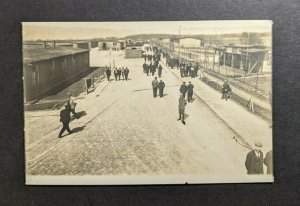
183 89
181 107
190 92
108 73
254 160
161 86
65 119
154 87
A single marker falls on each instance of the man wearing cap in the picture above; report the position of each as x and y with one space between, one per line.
65 119
154 87
254 160
181 107
183 89
190 92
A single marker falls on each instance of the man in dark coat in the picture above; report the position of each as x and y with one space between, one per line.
154 87
161 86
226 90
190 92
183 89
145 67
268 161
126 72
119 73
254 160
153 69
181 108
116 73
108 73
65 119
159 70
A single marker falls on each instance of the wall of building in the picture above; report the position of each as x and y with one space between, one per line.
190 42
49 75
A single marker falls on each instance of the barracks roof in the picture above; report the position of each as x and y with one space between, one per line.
39 54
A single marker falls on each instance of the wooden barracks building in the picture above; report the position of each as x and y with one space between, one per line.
47 69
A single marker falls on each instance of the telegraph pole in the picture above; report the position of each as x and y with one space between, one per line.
179 41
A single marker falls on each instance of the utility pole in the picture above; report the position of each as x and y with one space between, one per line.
179 41
247 63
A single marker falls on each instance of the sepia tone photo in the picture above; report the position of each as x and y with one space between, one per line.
165 102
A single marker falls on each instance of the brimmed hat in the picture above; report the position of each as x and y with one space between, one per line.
258 144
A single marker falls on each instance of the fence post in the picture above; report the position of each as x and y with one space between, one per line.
86 86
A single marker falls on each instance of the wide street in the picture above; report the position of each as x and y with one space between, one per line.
124 130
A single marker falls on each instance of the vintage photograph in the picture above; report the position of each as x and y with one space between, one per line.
157 102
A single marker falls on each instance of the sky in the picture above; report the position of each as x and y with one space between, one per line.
88 30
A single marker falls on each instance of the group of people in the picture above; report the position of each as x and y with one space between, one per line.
118 72
184 89
188 70
255 161
151 67
158 85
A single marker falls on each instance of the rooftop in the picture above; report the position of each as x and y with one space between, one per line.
38 54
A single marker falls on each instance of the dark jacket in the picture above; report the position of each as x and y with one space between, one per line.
183 88
108 72
254 164
190 88
161 85
181 103
268 161
126 71
65 116
226 88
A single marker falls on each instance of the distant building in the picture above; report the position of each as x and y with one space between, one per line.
82 45
248 58
190 42
48 69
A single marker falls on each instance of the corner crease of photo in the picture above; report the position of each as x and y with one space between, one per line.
148 102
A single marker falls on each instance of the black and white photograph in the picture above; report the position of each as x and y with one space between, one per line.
148 102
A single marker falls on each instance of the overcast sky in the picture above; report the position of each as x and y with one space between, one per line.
86 30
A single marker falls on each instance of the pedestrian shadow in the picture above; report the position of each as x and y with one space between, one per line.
165 95
79 115
78 129
186 116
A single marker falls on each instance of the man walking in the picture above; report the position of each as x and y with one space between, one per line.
154 87
126 72
183 89
181 107
119 73
159 70
65 119
72 104
108 73
116 73
254 160
161 86
190 91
